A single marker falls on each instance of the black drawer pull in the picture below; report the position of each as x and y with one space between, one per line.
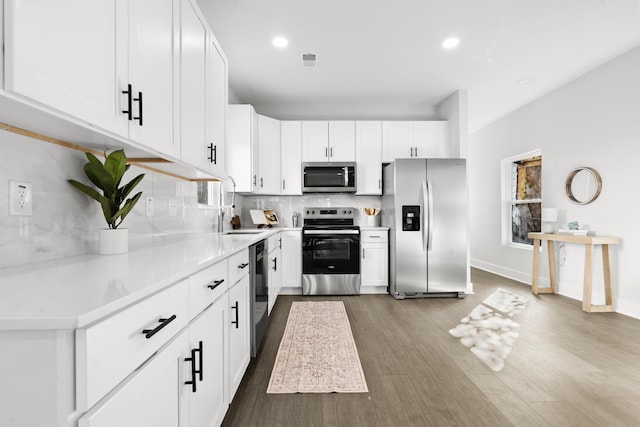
213 154
128 111
163 322
139 101
192 359
243 265
199 350
216 283
235 322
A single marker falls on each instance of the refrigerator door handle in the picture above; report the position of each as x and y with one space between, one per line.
430 213
425 217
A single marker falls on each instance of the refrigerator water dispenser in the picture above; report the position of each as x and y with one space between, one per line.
410 218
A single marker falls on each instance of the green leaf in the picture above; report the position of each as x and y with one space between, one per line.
86 189
124 192
101 178
93 159
129 204
108 210
116 165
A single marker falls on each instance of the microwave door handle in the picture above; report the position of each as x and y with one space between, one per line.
346 176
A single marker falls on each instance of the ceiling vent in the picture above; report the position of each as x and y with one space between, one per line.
309 60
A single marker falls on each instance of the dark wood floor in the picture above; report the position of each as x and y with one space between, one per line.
567 368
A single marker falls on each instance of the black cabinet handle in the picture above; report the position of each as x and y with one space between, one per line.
213 154
280 242
254 180
139 101
243 265
275 264
261 182
163 322
216 283
326 152
283 184
128 111
235 322
192 359
200 357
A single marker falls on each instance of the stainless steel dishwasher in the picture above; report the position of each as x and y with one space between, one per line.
259 293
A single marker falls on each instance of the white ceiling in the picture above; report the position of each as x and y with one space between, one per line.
383 58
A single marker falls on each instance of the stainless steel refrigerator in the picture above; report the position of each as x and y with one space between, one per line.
424 204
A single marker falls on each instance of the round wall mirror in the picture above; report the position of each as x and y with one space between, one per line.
583 185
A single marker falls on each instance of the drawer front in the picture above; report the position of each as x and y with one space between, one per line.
238 266
274 242
206 286
373 236
107 352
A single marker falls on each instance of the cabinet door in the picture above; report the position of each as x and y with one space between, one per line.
291 259
193 60
152 73
208 336
375 268
218 99
291 157
69 55
315 141
369 158
397 141
431 139
275 276
342 141
242 163
239 334
152 396
268 155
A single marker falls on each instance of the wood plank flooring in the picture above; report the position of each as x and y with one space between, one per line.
567 368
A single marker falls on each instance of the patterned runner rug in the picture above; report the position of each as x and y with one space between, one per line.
317 353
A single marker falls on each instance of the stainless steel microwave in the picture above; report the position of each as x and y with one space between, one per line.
321 177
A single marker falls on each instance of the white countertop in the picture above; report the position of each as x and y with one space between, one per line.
75 292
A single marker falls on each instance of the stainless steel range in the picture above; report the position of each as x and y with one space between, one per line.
330 252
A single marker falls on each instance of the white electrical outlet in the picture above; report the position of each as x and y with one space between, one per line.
20 198
172 205
149 206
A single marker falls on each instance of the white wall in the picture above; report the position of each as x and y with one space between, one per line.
455 109
592 121
65 222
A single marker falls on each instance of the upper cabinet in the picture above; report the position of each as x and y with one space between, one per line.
291 157
242 149
268 155
110 64
217 113
369 157
421 139
324 141
193 86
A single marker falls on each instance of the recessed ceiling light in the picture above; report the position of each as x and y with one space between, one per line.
450 43
280 42
524 81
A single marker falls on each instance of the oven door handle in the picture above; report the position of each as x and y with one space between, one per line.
330 232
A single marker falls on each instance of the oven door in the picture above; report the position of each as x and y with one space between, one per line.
330 251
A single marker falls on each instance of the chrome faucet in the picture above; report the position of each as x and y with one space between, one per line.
222 205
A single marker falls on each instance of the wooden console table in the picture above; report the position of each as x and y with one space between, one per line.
589 242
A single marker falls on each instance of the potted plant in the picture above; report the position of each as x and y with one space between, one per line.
113 200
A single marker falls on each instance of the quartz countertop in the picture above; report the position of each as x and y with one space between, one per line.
76 292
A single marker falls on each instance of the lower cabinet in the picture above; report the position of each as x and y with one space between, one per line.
291 261
151 397
239 334
374 262
275 269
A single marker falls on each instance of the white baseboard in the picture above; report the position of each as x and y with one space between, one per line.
371 290
509 273
291 291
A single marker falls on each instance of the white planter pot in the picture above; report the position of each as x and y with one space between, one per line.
112 242
372 220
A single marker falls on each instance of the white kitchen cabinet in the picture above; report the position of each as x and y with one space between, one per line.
194 123
291 157
324 141
268 155
274 260
217 114
291 261
239 333
153 396
369 157
421 139
206 369
110 64
242 147
374 266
